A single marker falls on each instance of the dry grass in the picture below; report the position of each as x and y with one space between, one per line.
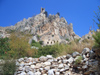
80 46
75 46
31 52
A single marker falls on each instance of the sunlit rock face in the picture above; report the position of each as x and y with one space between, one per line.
50 28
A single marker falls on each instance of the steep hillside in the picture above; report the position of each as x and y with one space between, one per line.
50 29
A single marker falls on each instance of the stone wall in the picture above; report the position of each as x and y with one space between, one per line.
63 65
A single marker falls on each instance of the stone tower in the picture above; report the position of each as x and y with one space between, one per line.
42 10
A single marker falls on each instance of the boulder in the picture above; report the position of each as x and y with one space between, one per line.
92 54
65 61
85 51
60 66
37 73
70 60
38 65
20 68
68 56
43 58
27 69
84 67
67 67
47 63
57 73
32 66
49 56
30 73
47 68
75 54
50 72
23 73
93 66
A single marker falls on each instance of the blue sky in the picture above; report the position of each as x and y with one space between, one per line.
78 12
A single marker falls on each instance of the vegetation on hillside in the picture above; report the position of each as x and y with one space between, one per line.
4 47
17 46
63 49
97 17
8 68
36 44
97 34
20 47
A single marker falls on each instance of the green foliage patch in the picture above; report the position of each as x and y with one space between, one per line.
78 60
9 67
4 46
97 39
36 44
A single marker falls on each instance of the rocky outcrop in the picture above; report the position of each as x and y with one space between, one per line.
3 33
53 28
70 64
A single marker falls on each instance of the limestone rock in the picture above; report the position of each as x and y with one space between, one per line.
68 56
43 58
23 73
75 54
38 73
85 50
70 60
57 73
47 63
50 72
49 56
60 66
30 73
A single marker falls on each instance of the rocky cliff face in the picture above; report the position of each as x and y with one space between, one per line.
50 29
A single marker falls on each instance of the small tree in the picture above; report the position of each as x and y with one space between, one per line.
97 35
97 39
19 46
4 46
9 67
97 16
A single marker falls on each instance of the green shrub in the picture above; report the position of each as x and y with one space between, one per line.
67 39
97 44
85 41
54 50
19 47
36 44
78 60
9 67
41 42
48 50
88 37
96 36
4 46
61 49
97 16
77 40
38 36
97 39
10 31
